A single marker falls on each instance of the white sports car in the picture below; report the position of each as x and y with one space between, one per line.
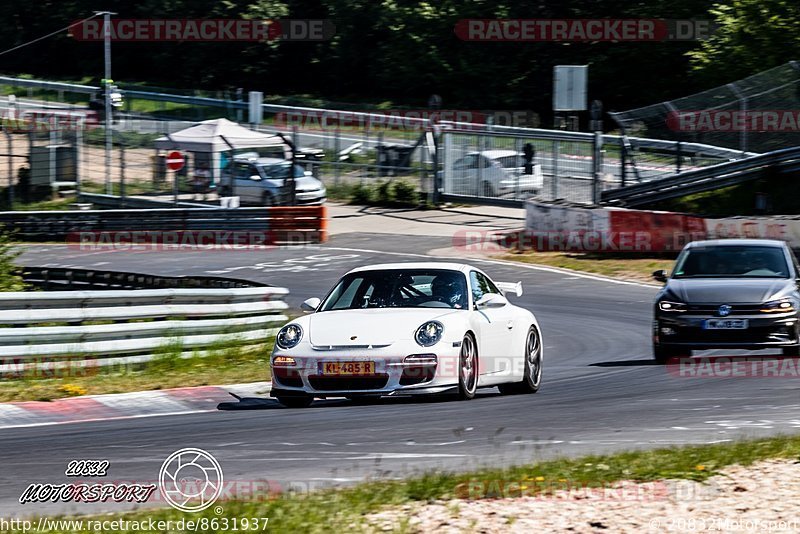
408 329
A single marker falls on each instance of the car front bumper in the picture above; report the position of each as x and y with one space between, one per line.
763 331
393 376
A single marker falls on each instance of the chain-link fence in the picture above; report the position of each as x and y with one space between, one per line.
757 114
354 154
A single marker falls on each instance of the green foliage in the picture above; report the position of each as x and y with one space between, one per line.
344 509
395 53
361 194
752 35
10 280
405 193
783 198
389 194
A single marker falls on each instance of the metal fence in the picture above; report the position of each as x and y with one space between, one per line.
711 116
489 165
343 148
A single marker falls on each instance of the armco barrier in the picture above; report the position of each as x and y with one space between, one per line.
57 278
57 329
282 224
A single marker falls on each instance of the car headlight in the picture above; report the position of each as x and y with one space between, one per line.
671 306
429 333
778 306
289 336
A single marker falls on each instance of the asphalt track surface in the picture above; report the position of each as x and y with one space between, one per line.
600 392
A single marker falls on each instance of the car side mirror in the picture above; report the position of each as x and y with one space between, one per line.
310 305
255 178
660 275
491 300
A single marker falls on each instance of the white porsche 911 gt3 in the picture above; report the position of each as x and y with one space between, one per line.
408 329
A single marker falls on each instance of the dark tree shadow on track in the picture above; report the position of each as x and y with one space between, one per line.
267 403
625 363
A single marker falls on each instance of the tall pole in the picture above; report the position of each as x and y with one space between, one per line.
107 93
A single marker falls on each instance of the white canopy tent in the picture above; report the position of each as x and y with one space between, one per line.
213 142
217 135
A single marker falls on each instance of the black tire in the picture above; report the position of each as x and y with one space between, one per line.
468 368
267 200
296 402
794 350
533 367
663 354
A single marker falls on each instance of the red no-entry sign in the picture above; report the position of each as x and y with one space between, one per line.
175 160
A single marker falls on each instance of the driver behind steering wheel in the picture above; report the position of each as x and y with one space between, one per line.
451 289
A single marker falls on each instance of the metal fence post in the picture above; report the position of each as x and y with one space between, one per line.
554 184
517 149
10 158
597 165
337 147
122 172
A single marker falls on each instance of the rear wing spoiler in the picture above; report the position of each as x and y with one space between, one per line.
505 287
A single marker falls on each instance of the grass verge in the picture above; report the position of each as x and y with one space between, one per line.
344 509
219 365
628 267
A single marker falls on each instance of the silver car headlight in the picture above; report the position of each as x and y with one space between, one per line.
429 333
289 336
671 306
778 306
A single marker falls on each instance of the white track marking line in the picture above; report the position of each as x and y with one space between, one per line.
452 259
102 419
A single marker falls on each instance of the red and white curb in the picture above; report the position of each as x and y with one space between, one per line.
139 404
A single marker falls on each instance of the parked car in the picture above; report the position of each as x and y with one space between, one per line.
262 181
728 293
408 329
495 173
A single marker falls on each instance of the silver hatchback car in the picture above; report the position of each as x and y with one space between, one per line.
262 182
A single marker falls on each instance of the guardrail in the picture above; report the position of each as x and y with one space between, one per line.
708 178
58 329
295 224
55 278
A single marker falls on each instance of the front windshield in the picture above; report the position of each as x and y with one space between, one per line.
727 261
399 288
281 170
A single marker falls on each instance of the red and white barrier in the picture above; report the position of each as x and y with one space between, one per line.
550 227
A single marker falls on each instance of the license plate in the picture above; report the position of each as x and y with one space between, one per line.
725 324
347 368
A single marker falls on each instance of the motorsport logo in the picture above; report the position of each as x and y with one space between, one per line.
205 30
190 480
